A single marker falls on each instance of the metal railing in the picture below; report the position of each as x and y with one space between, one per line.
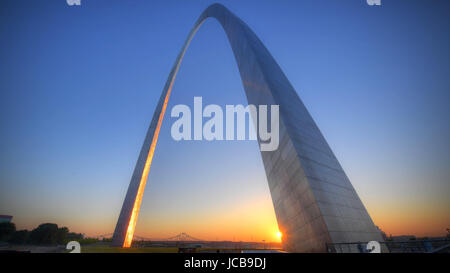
410 246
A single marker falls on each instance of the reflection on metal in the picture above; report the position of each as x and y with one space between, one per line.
314 201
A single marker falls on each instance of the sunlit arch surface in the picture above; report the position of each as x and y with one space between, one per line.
313 199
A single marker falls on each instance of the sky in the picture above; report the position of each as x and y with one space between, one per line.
79 85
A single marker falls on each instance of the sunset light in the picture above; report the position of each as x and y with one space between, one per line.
279 235
292 127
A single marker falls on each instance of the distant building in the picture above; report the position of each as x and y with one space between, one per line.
5 218
403 238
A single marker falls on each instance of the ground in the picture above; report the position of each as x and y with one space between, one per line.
108 249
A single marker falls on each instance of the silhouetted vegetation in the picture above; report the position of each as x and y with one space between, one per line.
44 234
20 237
87 241
6 231
72 236
48 234
107 240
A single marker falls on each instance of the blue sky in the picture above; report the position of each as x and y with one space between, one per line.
79 86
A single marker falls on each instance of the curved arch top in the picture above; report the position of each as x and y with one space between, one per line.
314 201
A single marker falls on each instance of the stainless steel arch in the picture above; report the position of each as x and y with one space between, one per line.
313 199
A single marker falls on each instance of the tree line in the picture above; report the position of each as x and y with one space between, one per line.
44 234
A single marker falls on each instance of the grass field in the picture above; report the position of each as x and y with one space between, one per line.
108 249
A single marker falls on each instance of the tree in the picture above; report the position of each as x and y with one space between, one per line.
20 237
72 236
7 229
45 234
62 235
49 234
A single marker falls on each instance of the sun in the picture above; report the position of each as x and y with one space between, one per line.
279 235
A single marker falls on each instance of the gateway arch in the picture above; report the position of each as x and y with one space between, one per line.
314 201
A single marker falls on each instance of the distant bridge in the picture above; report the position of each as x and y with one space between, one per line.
181 237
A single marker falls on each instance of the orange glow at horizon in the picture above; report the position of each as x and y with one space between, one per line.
420 220
137 203
253 220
